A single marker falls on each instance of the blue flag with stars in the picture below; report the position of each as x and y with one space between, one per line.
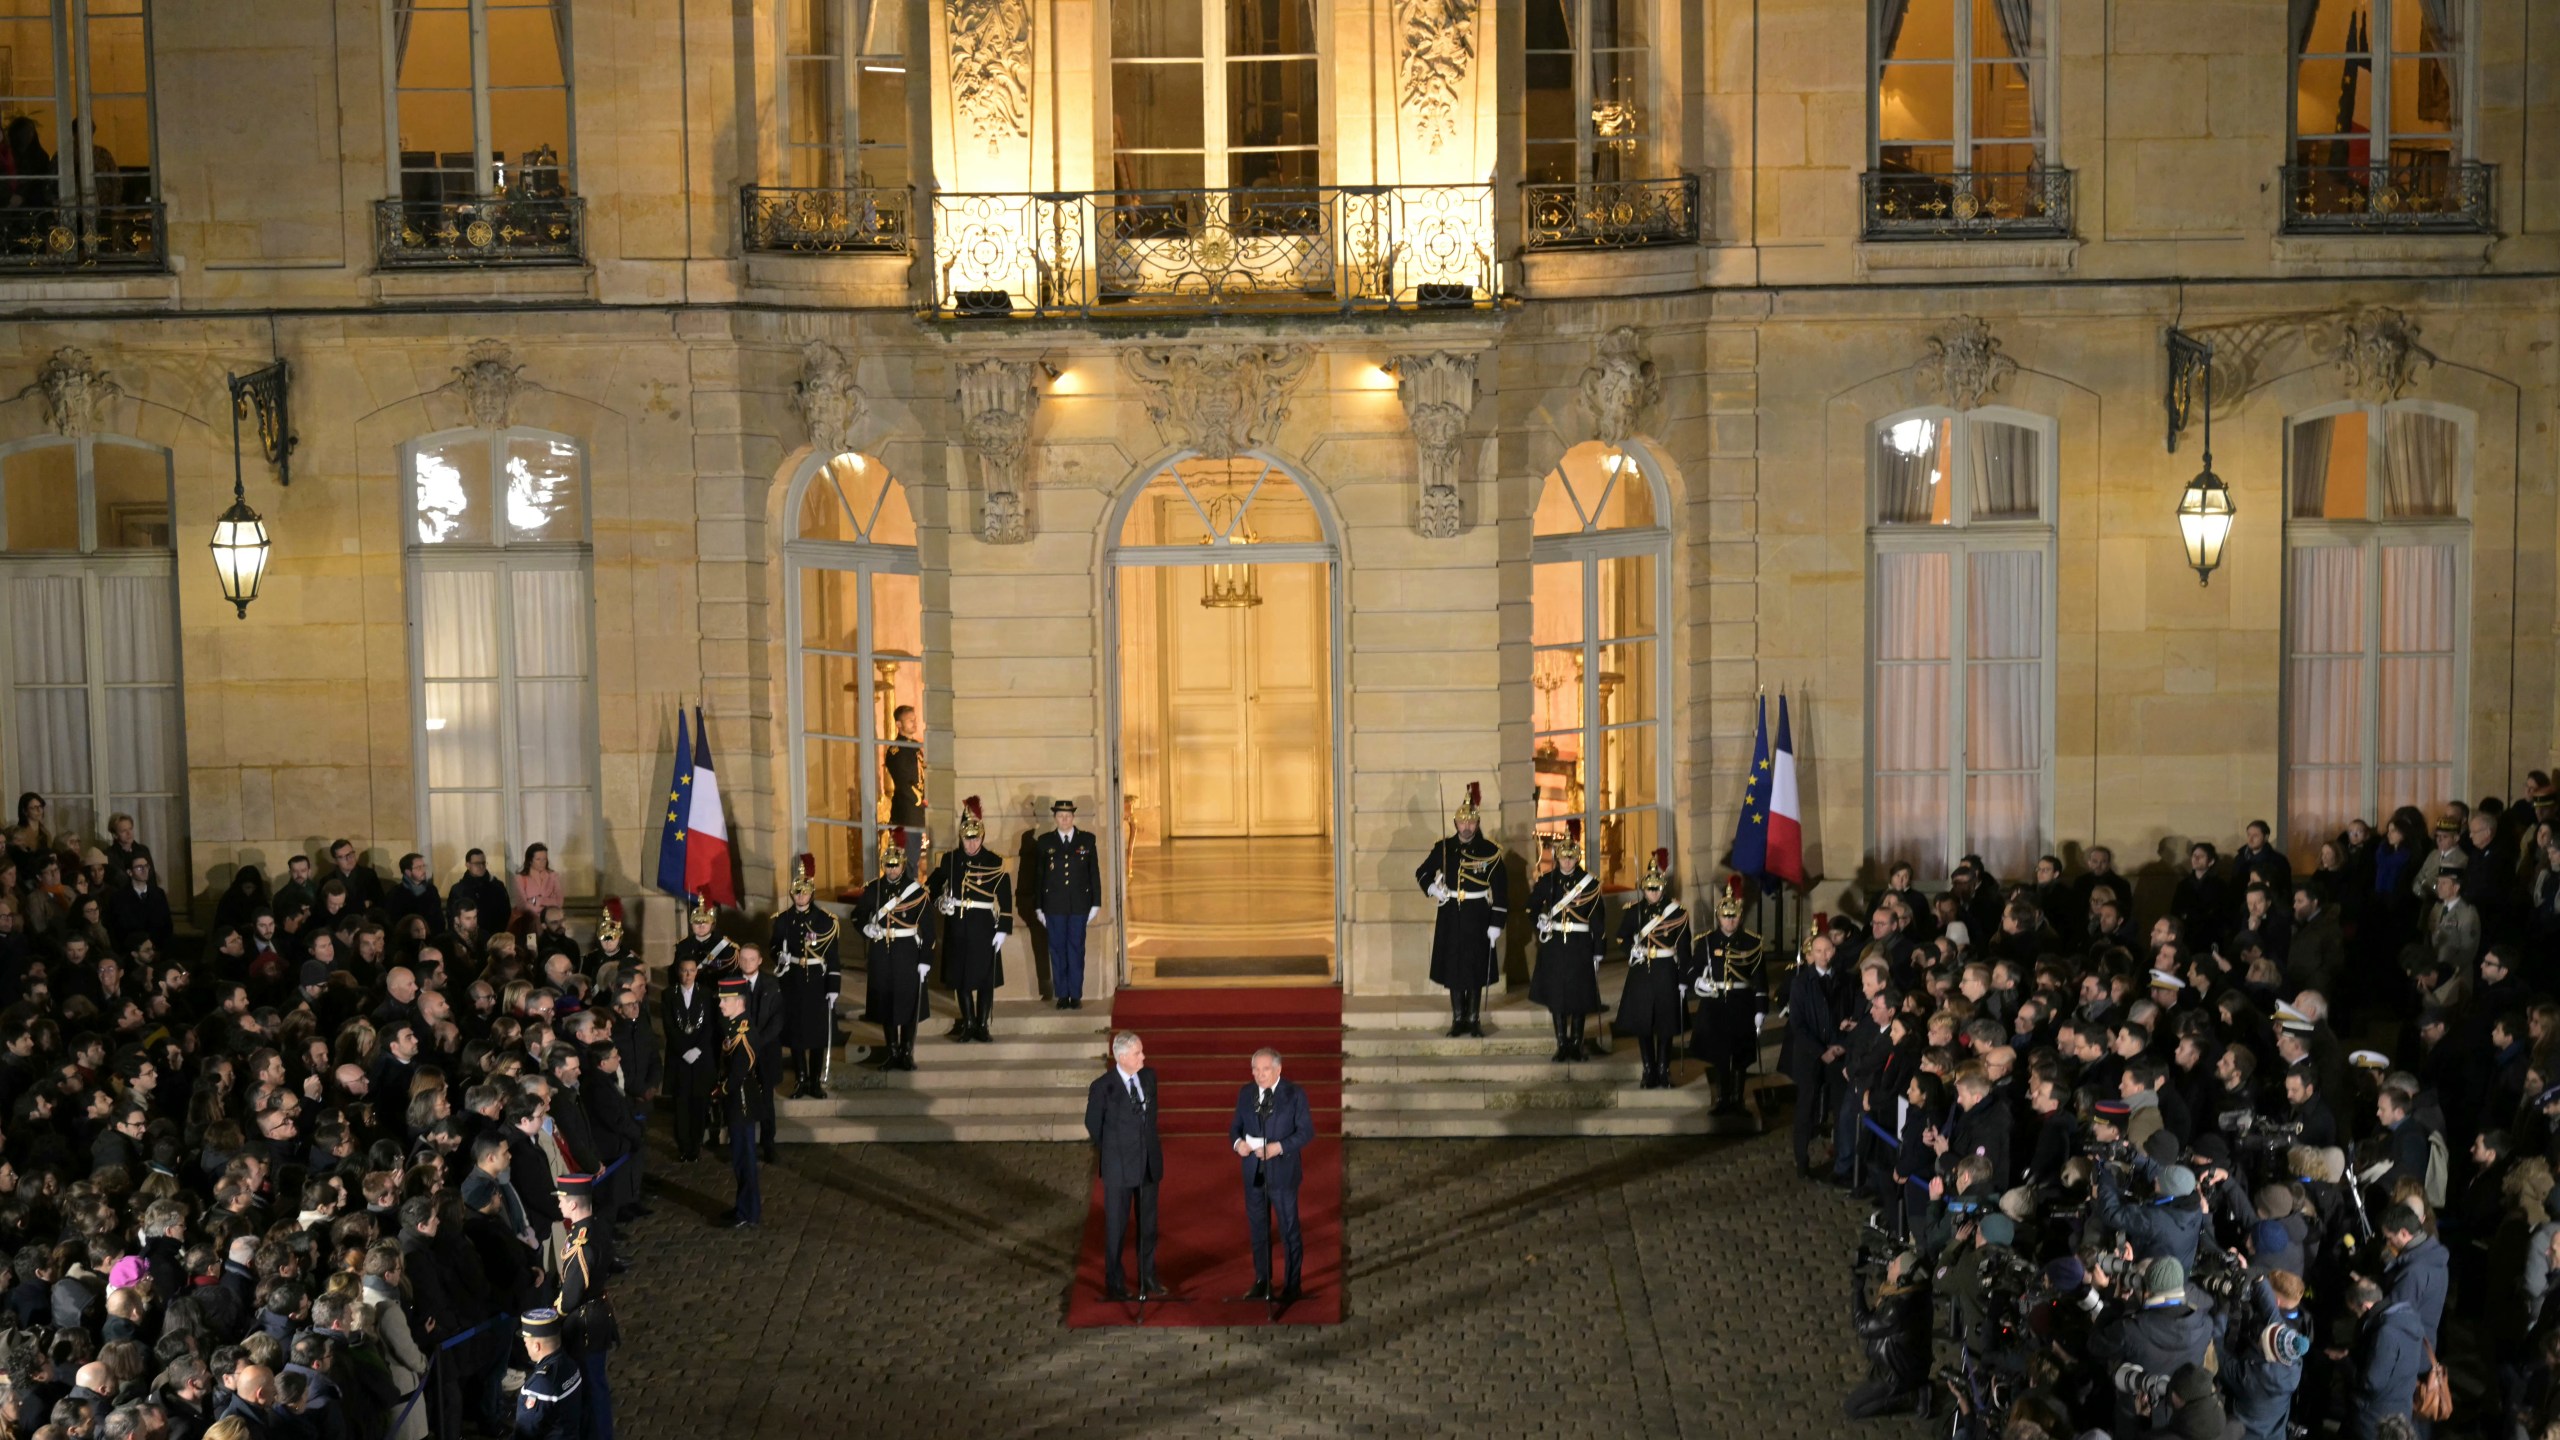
679 805
1751 828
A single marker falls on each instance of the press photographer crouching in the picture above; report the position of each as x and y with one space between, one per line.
1894 1332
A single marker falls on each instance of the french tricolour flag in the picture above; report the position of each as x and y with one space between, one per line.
1786 821
707 870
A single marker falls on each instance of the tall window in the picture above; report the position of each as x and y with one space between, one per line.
856 621
1960 705
480 98
2377 96
501 587
1587 112
844 93
94 719
78 100
1599 668
1960 85
2378 551
1214 93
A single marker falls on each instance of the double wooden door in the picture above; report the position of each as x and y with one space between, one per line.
1245 700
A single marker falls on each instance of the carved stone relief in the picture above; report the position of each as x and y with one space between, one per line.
829 400
1618 386
991 67
1965 366
76 392
1220 399
997 398
2377 354
489 379
1438 391
1435 58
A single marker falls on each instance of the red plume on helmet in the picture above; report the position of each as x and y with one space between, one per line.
971 805
898 837
1475 795
1733 886
1573 830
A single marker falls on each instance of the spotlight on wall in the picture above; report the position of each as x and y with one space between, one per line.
240 543
2205 510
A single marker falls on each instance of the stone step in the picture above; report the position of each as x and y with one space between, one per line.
1430 1013
1465 1124
1360 1044
1550 1095
888 1103
922 1130
1514 1069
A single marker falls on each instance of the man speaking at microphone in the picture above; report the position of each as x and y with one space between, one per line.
1272 1125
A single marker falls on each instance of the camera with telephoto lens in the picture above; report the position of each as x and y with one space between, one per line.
2118 1153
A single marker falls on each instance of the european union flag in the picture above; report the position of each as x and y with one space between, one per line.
679 806
1751 828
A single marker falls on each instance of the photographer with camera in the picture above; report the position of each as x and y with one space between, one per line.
2262 1352
1894 1331
2167 1225
2157 1329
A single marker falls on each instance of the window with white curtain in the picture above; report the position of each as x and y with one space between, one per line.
89 647
1599 670
1960 85
1960 594
479 98
2378 551
856 621
501 595
842 103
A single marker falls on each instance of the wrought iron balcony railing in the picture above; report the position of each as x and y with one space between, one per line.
2409 193
1609 214
496 230
1309 249
58 239
1967 204
858 220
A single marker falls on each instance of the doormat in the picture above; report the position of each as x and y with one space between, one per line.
1222 967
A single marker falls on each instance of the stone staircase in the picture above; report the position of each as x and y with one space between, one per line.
1405 1078
1028 1085
1402 1077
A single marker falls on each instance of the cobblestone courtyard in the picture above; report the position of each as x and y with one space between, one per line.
1497 1287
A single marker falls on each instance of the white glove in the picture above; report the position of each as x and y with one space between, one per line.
1439 892
1093 914
1493 936
1546 927
949 906
998 946
923 970
872 932
1759 1020
693 1054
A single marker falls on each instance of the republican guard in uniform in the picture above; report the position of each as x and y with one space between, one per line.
898 923
1655 932
1069 899
975 897
1733 994
804 947
1573 930
609 949
716 954
1463 875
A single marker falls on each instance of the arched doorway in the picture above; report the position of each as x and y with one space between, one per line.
1224 579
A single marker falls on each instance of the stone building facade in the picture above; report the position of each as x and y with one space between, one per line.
1406 286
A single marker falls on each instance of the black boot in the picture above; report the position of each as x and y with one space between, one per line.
1475 1013
1564 1042
984 1011
1457 1012
1573 1044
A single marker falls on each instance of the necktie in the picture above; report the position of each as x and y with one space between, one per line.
1135 1094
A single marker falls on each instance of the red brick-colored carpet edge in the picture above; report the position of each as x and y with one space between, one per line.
1202 1249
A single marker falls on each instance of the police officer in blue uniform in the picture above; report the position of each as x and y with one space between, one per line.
1069 898
738 1083
553 1403
586 1261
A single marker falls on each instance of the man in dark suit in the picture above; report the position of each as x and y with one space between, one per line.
1814 1045
1069 897
690 1015
1272 1125
1120 1116
764 1031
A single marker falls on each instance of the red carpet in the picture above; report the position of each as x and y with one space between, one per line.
1200 1043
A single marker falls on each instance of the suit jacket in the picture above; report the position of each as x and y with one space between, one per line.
1813 1021
1069 876
1292 1125
1123 1131
694 1026
764 1017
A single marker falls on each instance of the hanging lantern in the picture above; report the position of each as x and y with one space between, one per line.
2204 522
240 552
1231 585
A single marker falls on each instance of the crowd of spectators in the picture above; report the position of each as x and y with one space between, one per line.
296 1177
2216 1155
